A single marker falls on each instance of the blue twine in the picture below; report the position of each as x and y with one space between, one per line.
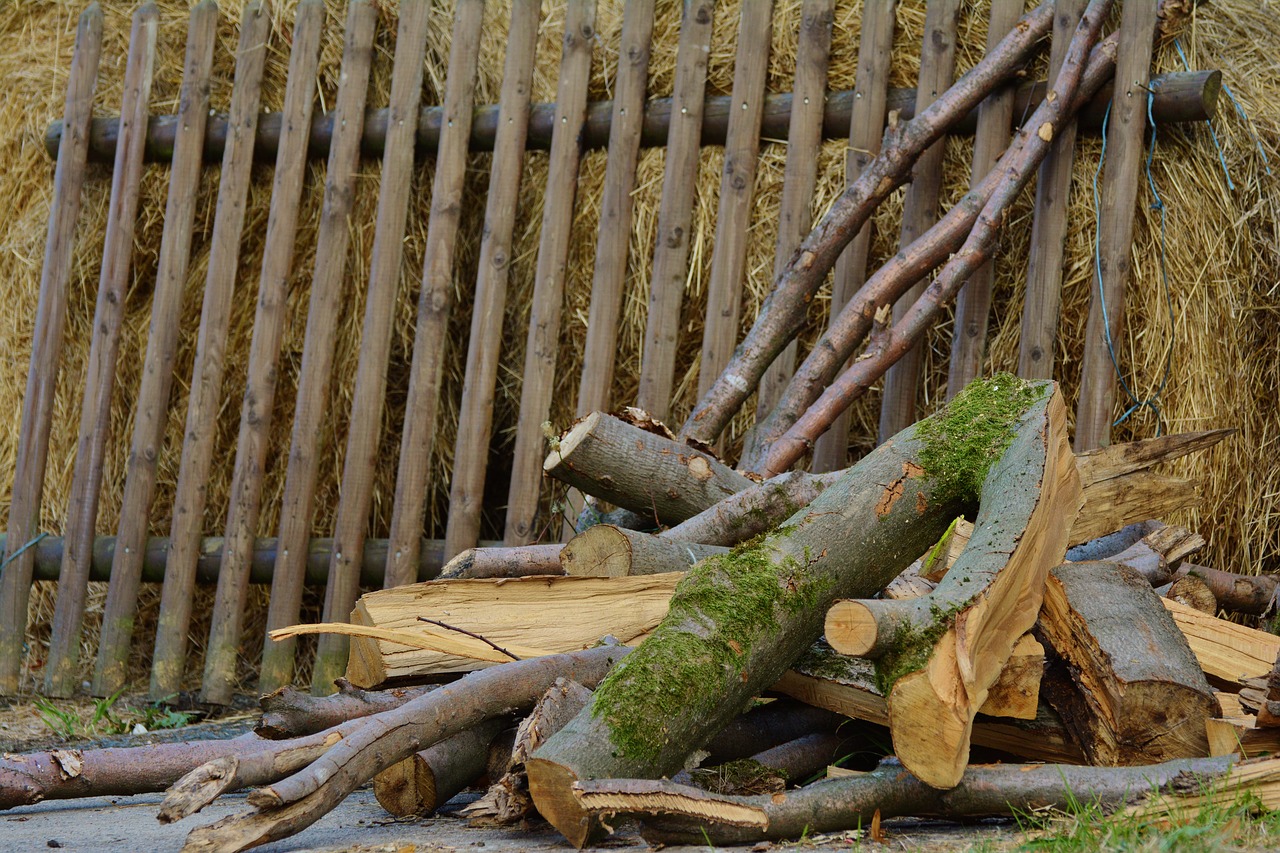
1151 402
1249 127
1177 43
18 553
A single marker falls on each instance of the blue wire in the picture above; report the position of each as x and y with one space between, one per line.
1177 43
1248 126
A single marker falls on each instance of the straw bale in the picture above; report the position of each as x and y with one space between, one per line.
1221 247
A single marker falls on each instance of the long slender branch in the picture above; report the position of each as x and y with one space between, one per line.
1015 169
783 312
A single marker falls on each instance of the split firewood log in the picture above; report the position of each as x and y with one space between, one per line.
677 814
1143 697
737 622
1240 732
1229 654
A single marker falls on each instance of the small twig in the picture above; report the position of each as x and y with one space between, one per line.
484 640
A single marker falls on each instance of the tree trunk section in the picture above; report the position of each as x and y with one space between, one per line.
426 780
605 551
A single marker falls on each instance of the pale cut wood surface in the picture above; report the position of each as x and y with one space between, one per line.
871 90
800 175
538 378
264 353
920 207
1038 343
675 214
60 671
187 527
368 400
1121 178
151 412
435 301
312 406
46 347
475 413
737 182
557 614
1227 652
995 117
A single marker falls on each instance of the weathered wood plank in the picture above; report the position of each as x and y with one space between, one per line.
151 412
46 347
312 406
264 353
60 673
543 341
675 215
475 414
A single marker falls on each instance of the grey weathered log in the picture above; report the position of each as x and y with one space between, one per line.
288 712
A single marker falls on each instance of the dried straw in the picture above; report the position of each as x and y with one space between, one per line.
1222 257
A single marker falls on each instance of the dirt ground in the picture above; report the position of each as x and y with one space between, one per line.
359 825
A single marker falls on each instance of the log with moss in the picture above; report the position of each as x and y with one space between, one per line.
736 622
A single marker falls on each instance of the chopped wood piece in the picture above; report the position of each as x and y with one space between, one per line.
948 550
605 551
1252 594
639 470
1116 502
426 780
1193 592
1157 555
1240 732
754 510
1142 698
1118 460
692 816
1228 653
520 561
550 614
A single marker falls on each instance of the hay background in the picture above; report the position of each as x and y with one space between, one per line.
1223 258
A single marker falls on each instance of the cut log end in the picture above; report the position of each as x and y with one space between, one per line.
570 440
407 788
602 551
851 628
551 786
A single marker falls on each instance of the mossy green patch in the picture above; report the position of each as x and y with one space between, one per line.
912 645
720 612
961 442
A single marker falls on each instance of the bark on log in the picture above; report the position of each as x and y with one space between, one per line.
686 815
1143 696
640 470
1181 96
1158 555
297 802
1191 591
288 713
605 551
520 561
426 780
1252 594
754 510
737 622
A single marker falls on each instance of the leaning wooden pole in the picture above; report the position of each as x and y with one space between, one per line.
367 404
311 410
152 410
95 414
187 527
46 348
264 353
737 622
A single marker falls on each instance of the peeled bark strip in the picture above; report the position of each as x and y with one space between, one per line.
295 803
640 470
605 551
737 622
686 815
426 780
520 561
287 712
1143 696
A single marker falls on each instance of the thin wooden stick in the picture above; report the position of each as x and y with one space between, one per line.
475 415
46 347
548 286
264 354
152 410
969 338
1038 343
95 413
920 208
737 185
874 52
435 302
169 659
675 215
375 343
312 407
1125 137
795 217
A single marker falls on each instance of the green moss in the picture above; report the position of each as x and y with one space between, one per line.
961 442
719 613
912 645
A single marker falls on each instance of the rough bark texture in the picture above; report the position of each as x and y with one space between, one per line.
520 561
605 551
737 622
1252 594
692 816
1143 697
426 780
288 713
641 470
